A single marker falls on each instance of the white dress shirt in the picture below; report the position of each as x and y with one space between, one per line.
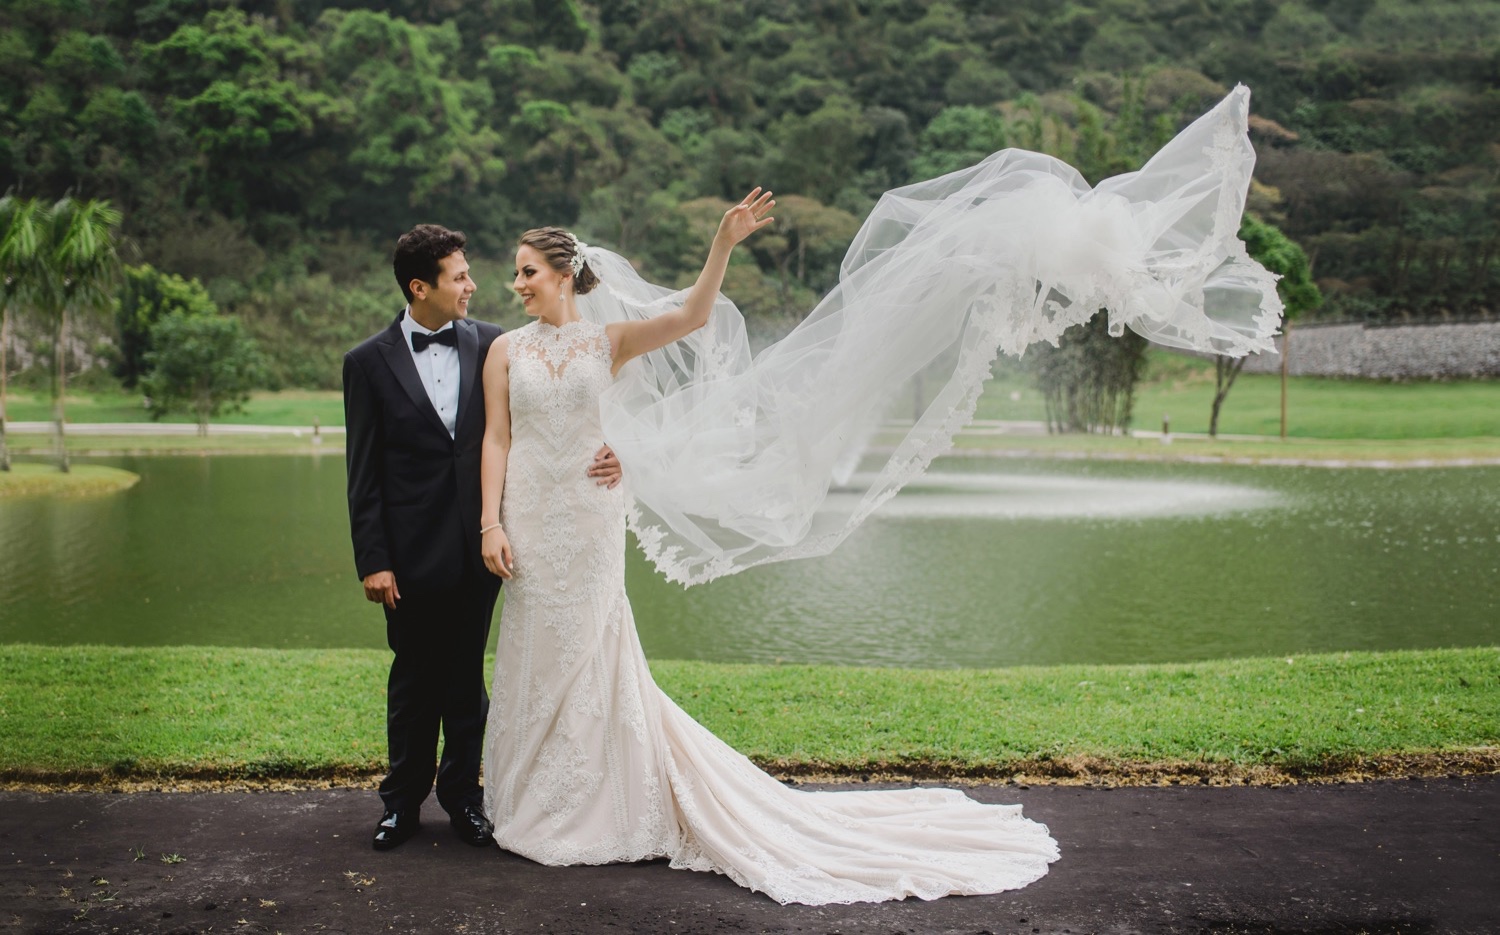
437 365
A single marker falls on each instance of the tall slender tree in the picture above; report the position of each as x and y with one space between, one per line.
21 230
81 271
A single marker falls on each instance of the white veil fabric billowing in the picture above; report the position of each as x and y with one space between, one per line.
734 461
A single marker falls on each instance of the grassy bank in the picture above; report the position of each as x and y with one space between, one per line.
1182 387
288 407
1356 421
39 447
90 712
1173 384
1379 452
1416 451
84 480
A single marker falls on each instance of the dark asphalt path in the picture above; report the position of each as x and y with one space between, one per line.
1410 857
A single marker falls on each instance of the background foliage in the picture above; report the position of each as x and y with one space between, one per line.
273 151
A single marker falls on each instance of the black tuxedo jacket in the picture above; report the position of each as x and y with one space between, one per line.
413 490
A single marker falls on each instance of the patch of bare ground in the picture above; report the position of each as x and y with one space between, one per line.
1061 771
1096 771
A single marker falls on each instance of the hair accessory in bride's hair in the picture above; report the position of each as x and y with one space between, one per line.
576 262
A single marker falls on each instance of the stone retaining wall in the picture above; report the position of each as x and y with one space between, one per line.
1395 352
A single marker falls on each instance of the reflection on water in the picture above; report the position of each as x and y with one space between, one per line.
982 564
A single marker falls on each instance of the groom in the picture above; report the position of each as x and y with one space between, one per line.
414 411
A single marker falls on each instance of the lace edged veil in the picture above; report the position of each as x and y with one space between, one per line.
733 461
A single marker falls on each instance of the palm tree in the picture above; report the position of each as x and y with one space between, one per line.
21 228
80 276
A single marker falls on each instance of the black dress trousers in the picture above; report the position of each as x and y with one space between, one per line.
437 683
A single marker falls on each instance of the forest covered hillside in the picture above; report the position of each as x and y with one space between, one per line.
274 150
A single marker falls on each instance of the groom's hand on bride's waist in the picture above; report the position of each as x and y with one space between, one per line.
606 468
381 588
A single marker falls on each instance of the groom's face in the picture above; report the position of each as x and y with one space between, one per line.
448 298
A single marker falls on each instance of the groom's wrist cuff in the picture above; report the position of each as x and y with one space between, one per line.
367 565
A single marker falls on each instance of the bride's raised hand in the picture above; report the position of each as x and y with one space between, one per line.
747 217
630 339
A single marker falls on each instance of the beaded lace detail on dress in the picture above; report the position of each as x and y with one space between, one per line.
587 762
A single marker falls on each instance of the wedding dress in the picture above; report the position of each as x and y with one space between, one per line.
586 761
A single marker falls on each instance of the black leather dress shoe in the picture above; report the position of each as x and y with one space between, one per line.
395 828
473 827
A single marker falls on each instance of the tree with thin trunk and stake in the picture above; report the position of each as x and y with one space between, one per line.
1280 254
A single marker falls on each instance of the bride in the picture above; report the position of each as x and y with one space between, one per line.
732 461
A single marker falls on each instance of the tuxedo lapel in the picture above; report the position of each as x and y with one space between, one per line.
398 357
468 368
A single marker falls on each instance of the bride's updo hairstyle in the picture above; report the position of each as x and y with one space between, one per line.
560 247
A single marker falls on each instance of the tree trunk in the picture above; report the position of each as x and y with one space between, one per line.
1225 370
1286 353
204 405
786 289
60 388
4 341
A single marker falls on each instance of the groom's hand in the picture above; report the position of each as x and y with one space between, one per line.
380 588
606 468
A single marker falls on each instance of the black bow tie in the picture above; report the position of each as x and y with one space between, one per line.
420 341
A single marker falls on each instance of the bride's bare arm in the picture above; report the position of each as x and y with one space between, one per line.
494 450
631 339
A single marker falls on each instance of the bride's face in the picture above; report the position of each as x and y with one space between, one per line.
537 283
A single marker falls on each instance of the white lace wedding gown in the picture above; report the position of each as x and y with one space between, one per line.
586 761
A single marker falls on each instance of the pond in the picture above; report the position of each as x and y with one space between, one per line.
985 563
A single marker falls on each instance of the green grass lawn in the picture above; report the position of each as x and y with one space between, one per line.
1174 384
1271 450
38 448
1183 388
288 407
252 713
1332 420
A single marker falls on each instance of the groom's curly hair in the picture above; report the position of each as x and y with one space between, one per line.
558 247
420 253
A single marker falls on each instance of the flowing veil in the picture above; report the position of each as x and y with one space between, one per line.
734 461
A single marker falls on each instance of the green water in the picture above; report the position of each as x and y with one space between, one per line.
991 564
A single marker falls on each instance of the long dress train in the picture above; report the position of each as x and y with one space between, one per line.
587 761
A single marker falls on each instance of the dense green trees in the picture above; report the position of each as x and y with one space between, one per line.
146 296
273 151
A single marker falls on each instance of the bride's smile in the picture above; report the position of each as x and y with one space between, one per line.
539 286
